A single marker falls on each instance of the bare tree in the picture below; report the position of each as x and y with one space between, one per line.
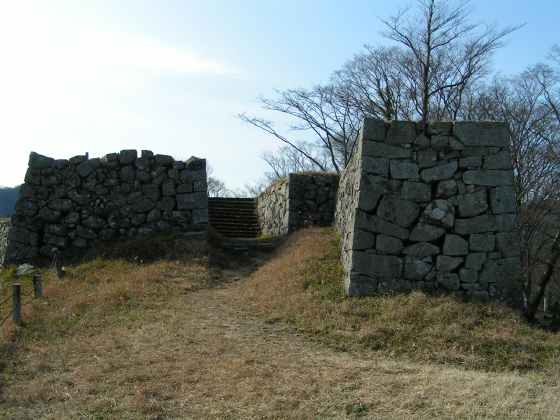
448 52
431 73
216 187
526 104
324 111
287 160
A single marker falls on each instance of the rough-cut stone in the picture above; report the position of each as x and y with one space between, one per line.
377 225
449 281
465 190
440 172
501 160
421 249
417 268
506 222
427 158
481 133
470 205
370 196
363 240
473 162
447 263
426 233
403 169
375 149
502 200
482 242
446 189
455 245
468 275
376 166
126 157
440 212
397 210
475 260
401 132
389 245
374 130
416 191
478 224
491 178
377 265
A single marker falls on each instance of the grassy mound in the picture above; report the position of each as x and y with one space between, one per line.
302 285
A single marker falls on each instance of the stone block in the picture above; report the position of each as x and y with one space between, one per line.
401 132
440 172
490 178
449 281
387 266
447 188
427 158
468 275
482 242
478 224
455 245
127 157
373 129
374 149
473 162
191 201
417 268
503 200
416 191
426 233
376 166
398 211
388 244
363 240
375 224
369 197
470 205
440 213
163 160
447 263
421 249
475 261
403 169
501 160
506 222
37 161
481 133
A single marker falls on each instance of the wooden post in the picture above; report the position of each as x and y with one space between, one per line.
58 264
16 303
38 285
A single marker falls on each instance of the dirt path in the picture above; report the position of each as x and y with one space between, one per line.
204 355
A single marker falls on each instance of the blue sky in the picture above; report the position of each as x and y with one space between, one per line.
170 76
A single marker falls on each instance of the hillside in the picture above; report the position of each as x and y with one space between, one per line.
8 198
266 338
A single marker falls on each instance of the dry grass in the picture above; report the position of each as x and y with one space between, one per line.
166 340
302 285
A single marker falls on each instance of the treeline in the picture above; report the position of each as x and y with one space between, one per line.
8 197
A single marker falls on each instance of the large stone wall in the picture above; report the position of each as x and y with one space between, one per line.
300 200
69 204
430 208
4 230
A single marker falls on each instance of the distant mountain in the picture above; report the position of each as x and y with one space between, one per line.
8 197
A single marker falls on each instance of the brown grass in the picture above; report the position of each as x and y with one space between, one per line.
302 286
166 340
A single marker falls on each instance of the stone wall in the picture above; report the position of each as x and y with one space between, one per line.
4 230
273 209
304 199
431 209
69 204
